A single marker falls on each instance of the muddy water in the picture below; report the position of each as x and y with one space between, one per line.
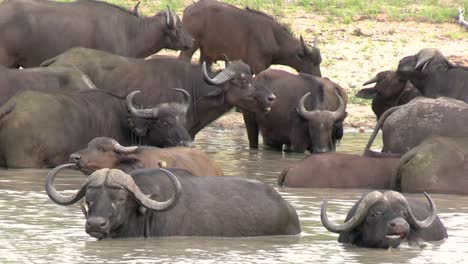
33 229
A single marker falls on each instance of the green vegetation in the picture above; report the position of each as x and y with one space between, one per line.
345 11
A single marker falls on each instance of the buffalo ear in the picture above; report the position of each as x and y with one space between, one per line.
128 164
367 93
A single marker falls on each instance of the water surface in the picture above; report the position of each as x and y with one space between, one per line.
35 230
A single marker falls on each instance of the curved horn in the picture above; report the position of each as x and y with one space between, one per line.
135 9
155 205
170 21
301 108
339 112
359 215
125 150
308 50
186 96
226 60
316 42
417 224
373 80
57 197
221 78
424 57
145 113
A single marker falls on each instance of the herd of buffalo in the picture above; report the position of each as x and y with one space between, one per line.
89 100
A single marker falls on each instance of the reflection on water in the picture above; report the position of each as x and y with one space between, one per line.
34 229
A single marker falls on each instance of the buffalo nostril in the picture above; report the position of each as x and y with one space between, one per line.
75 157
392 224
271 98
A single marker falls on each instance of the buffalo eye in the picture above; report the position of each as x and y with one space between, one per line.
404 214
375 214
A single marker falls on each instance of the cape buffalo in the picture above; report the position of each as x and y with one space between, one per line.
383 220
211 97
433 75
389 91
156 202
104 152
253 36
439 164
289 122
32 31
406 126
39 129
339 170
13 81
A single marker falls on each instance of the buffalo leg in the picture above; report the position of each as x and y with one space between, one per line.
5 59
252 128
273 144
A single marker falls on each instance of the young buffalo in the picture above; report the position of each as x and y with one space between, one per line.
104 152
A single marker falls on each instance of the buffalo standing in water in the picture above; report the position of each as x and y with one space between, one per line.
308 113
156 202
32 31
252 36
39 129
103 152
383 220
406 126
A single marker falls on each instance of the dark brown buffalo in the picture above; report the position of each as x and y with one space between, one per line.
104 152
406 126
434 75
42 129
389 91
173 202
252 36
307 115
384 220
339 170
439 164
211 96
32 31
13 81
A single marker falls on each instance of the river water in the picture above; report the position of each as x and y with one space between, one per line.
35 230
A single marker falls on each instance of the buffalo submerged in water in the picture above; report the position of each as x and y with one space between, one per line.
159 202
383 220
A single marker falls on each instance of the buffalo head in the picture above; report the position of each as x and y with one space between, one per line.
104 152
322 124
308 59
112 198
379 220
175 36
162 126
389 91
235 88
425 61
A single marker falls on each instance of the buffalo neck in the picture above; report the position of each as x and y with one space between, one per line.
287 48
207 108
145 36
